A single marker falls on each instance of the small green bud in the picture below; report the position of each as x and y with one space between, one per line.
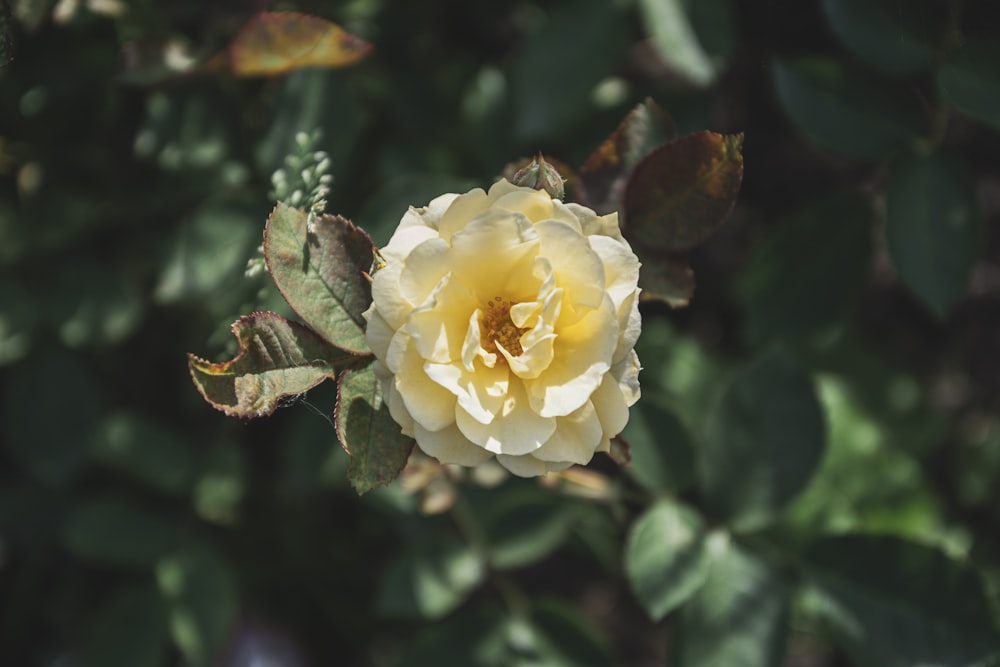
541 175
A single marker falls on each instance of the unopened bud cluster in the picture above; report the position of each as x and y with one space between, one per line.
304 181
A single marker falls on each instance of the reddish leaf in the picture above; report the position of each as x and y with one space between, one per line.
280 42
367 431
668 279
277 359
320 270
681 193
604 174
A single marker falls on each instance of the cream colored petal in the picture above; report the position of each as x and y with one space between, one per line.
604 225
621 267
405 239
536 205
576 437
577 267
611 407
461 211
501 188
423 270
432 213
630 325
429 403
534 358
439 326
564 213
493 246
582 357
523 466
386 296
397 409
516 429
626 373
448 445
480 393
378 333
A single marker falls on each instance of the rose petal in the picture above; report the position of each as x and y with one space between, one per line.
577 267
480 393
387 297
448 445
491 248
576 437
439 326
533 204
428 403
517 429
612 409
461 211
529 466
424 268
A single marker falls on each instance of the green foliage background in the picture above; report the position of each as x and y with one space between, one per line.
817 449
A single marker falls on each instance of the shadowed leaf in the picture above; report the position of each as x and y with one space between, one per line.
367 431
141 609
898 603
277 358
668 279
883 35
681 193
280 42
605 173
320 270
970 80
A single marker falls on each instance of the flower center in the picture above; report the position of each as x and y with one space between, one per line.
497 327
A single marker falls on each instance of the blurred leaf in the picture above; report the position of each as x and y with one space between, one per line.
46 430
208 254
739 617
523 526
681 193
277 359
144 450
429 578
662 455
273 43
474 638
665 557
606 171
367 431
595 33
320 269
667 278
894 38
18 314
221 484
845 110
934 228
188 132
30 13
765 438
676 42
900 604
810 272
129 631
970 81
201 591
92 303
114 531
558 636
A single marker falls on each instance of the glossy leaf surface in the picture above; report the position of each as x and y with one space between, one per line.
320 270
277 359
367 431
681 193
894 38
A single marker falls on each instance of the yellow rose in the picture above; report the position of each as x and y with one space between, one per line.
503 324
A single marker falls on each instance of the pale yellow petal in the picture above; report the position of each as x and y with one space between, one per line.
575 439
492 247
626 372
461 211
405 239
516 430
536 205
439 326
386 295
429 403
378 333
480 393
578 269
611 407
424 268
448 445
523 466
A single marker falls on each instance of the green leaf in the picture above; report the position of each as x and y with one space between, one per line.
320 270
739 617
114 531
885 34
474 638
222 483
662 455
604 174
810 272
46 431
277 358
209 253
934 227
558 636
129 631
201 591
676 42
429 578
90 303
145 451
845 110
665 557
18 316
895 603
970 81
523 526
273 43
681 193
765 439
367 431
